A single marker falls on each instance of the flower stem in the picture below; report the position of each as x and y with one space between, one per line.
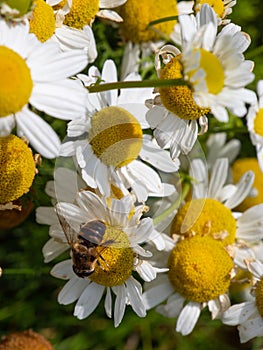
174 205
135 84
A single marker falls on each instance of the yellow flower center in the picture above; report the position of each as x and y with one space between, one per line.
239 168
259 297
42 23
258 123
179 99
213 69
116 261
82 12
23 6
138 14
115 136
199 268
217 5
17 168
16 82
205 217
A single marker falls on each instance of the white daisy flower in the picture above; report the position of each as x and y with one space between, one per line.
43 24
214 199
248 315
254 123
115 140
81 13
141 40
116 253
205 52
209 246
200 273
221 53
222 8
37 74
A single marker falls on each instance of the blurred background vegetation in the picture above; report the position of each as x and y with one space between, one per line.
28 293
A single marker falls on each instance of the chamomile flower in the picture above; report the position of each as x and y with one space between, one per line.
214 80
119 254
137 17
35 74
221 73
141 39
222 8
200 273
254 123
248 316
209 212
110 140
80 13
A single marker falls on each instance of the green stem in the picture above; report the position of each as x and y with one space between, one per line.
173 206
162 20
135 84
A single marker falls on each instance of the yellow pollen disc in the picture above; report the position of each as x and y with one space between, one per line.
17 168
82 12
16 82
138 14
205 217
115 136
259 297
239 167
43 22
199 268
179 99
26 340
217 5
258 123
116 264
213 69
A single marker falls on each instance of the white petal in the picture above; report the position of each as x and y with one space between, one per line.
120 304
40 135
134 290
238 313
157 294
158 157
72 290
88 300
6 125
251 329
243 188
146 271
188 318
52 249
108 303
63 270
173 306
218 177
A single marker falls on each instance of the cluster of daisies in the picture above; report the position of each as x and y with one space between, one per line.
176 221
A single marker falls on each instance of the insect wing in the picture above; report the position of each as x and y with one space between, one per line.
69 233
93 232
